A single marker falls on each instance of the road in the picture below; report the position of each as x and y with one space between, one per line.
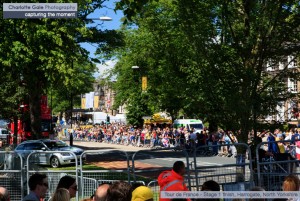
166 158
159 157
148 161
105 146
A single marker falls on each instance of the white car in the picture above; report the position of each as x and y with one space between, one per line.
3 133
53 159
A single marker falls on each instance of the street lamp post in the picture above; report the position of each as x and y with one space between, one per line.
102 18
144 79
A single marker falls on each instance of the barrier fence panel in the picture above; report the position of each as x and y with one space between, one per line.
223 164
271 166
155 188
88 187
11 174
233 171
33 165
148 164
102 166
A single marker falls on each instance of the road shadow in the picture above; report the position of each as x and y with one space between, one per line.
93 148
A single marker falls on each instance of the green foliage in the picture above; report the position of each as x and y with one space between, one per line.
43 56
209 58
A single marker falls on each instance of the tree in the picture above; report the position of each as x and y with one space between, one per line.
222 49
158 53
43 52
246 36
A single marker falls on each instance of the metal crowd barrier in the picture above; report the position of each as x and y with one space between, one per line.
235 170
232 173
118 160
52 174
272 168
11 174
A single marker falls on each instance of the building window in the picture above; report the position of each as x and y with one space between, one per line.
281 66
292 85
270 65
292 63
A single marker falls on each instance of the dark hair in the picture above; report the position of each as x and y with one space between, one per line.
178 166
2 198
119 191
65 182
35 179
210 185
135 185
4 195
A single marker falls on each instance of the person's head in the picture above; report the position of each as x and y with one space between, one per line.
135 185
39 184
291 183
179 167
68 183
61 194
119 191
101 192
142 193
210 185
4 194
257 188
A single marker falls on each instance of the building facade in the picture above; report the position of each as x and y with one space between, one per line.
286 111
101 100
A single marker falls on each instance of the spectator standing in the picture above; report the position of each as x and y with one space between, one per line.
119 191
38 185
257 188
298 149
291 183
68 183
172 180
153 138
272 145
210 185
101 192
215 140
4 194
61 194
142 193
201 139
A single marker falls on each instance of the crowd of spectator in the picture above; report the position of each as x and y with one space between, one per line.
167 136
67 188
154 136
279 142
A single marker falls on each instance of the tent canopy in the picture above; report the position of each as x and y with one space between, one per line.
160 118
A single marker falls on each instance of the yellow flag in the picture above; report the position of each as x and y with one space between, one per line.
144 83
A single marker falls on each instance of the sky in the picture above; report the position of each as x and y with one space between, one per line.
107 10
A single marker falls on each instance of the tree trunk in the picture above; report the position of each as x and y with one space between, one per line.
213 126
34 96
15 135
35 113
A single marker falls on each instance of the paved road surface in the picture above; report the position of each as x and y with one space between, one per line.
105 146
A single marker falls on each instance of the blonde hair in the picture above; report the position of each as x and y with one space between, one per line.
61 194
291 183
